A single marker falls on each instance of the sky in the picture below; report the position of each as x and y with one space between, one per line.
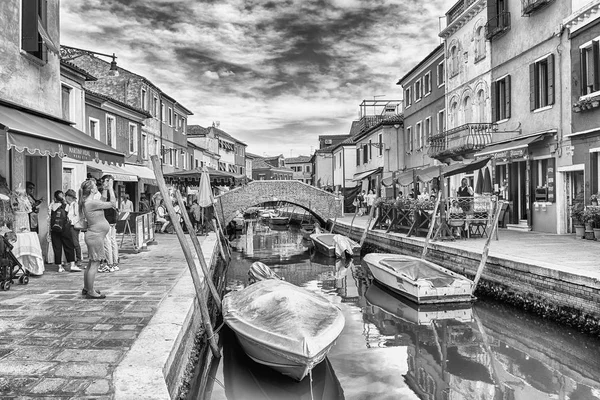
273 74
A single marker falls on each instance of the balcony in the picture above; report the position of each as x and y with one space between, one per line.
529 6
497 26
460 142
457 10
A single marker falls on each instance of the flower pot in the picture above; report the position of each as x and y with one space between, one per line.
579 231
597 233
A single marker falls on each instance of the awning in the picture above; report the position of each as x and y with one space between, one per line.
362 175
426 174
196 173
405 178
459 168
514 148
118 173
145 174
46 137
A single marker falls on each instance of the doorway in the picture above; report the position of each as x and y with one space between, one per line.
575 191
518 193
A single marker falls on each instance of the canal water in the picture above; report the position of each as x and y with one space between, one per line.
393 349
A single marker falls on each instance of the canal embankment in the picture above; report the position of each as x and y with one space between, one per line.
556 276
138 343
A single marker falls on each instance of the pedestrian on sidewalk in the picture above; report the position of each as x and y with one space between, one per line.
126 204
98 228
163 217
74 218
195 212
370 199
111 249
60 232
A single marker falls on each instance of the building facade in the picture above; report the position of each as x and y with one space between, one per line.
302 167
424 112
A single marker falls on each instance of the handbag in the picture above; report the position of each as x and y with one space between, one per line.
81 225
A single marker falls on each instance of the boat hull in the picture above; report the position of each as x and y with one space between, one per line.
455 288
326 247
278 220
283 326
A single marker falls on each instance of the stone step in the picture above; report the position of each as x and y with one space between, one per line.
523 227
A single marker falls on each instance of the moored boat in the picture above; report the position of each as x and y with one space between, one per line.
283 326
277 220
419 280
334 245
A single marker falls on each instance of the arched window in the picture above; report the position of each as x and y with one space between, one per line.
480 43
454 114
467 110
453 61
481 105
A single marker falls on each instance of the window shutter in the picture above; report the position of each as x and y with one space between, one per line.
596 55
495 104
507 96
551 79
532 85
29 25
583 59
492 14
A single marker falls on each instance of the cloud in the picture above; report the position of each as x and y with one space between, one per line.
292 69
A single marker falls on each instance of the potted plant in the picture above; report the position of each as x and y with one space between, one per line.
594 199
592 216
577 210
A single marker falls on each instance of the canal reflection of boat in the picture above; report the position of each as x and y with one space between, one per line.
446 351
283 326
334 245
277 220
419 280
246 380
419 314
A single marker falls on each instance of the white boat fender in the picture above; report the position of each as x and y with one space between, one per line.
343 245
259 272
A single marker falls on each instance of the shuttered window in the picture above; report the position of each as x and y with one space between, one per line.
501 99
541 83
34 37
590 65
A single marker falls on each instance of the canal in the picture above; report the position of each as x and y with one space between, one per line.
392 349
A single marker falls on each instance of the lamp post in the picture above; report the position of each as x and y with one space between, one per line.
68 53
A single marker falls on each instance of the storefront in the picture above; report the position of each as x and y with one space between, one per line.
33 146
524 174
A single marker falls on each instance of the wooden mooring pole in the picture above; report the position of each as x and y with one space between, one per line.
199 253
371 213
220 240
486 248
162 186
431 224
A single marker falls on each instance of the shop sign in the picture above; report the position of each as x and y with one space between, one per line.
508 154
80 154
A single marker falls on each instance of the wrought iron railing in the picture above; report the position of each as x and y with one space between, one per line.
457 10
460 140
498 25
529 6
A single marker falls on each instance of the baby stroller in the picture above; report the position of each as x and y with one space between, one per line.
10 267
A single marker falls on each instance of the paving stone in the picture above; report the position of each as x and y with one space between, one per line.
119 335
102 327
88 355
76 343
4 352
49 333
124 320
22 368
98 386
47 385
32 353
79 370
127 327
38 341
114 343
83 335
12 385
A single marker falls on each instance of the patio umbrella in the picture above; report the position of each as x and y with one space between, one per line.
204 190
479 184
487 181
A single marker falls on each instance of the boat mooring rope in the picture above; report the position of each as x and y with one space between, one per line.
216 330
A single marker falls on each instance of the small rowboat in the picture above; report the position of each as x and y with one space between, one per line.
419 280
283 326
333 245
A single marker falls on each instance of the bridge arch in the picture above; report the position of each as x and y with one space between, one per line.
321 204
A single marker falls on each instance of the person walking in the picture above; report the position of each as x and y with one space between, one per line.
98 228
60 233
370 198
74 219
111 248
196 215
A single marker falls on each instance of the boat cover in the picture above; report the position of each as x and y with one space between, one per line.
343 245
259 272
417 269
283 317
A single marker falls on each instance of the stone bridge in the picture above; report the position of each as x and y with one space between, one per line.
323 205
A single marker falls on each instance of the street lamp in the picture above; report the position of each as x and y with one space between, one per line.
68 53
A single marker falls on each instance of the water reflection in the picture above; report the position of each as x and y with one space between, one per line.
246 380
393 349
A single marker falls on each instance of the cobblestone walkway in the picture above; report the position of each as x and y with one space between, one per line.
56 344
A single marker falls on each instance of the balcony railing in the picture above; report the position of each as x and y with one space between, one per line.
459 142
370 120
529 6
457 10
498 25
